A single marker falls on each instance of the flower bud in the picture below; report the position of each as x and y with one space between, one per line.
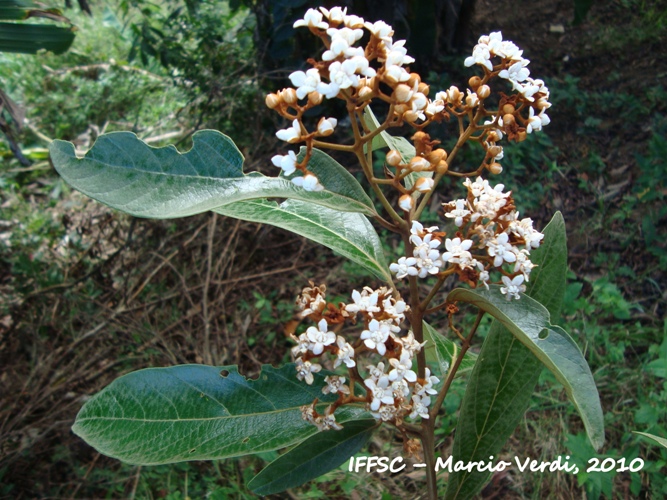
495 168
400 109
272 101
509 119
403 93
424 88
365 91
494 151
521 136
315 98
508 109
414 79
493 136
410 116
393 158
326 126
436 155
419 164
420 136
406 202
484 91
442 167
474 82
424 184
289 96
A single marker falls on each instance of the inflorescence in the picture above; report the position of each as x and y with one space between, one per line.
489 236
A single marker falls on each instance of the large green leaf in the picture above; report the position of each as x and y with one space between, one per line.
196 412
505 374
125 173
349 234
30 38
441 350
313 457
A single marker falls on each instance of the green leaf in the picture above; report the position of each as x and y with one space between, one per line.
661 441
530 323
30 38
442 351
313 457
349 234
506 372
125 173
196 412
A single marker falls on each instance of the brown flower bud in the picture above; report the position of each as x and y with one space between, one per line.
419 164
394 158
435 156
442 167
289 95
410 116
493 136
509 119
402 93
315 98
508 109
474 82
414 79
272 101
423 88
495 168
521 136
483 91
400 109
494 151
365 91
420 136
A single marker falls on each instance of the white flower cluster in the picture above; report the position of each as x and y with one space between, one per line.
393 392
492 225
516 72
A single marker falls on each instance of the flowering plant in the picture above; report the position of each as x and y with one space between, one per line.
374 360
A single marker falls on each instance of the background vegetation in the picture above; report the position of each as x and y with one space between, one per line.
87 294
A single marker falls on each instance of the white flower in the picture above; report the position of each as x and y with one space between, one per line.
459 212
484 278
424 184
516 73
376 336
523 264
291 134
326 126
376 373
363 301
345 353
480 55
411 345
536 122
380 391
308 182
328 422
335 385
380 30
312 19
320 337
286 162
335 15
427 388
305 370
472 99
400 389
305 82
397 54
455 249
420 406
395 73
513 287
395 309
353 21
404 267
402 368
501 250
